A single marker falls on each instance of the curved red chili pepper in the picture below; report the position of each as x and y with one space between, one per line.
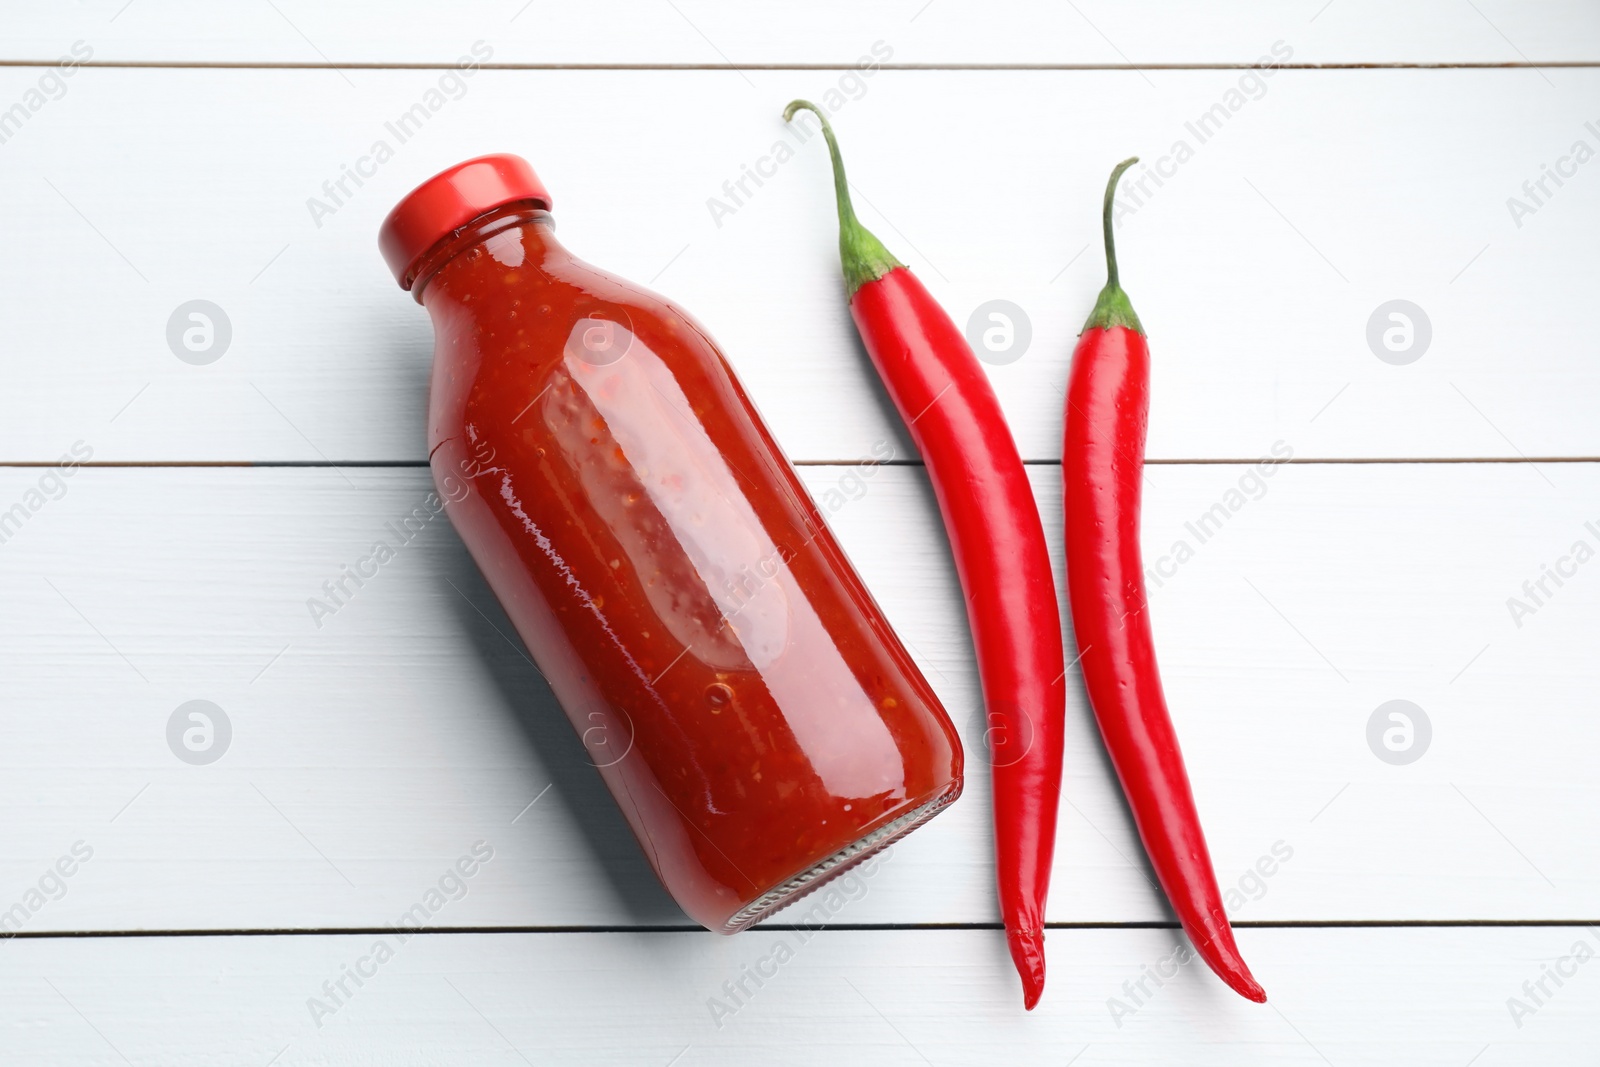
1102 461
1001 556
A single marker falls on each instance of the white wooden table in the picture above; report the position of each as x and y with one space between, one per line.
1413 907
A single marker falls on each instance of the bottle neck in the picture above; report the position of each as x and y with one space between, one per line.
538 239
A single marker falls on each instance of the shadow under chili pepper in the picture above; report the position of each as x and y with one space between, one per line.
1081 723
905 450
545 724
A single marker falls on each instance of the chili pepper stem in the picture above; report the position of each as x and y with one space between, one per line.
862 255
1113 308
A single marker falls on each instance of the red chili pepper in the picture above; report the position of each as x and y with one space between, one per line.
998 542
1102 467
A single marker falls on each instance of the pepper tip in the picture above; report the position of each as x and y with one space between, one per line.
1251 989
1242 982
1223 957
1027 953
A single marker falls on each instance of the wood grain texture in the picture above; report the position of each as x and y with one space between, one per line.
1256 266
1430 998
369 753
406 739
707 32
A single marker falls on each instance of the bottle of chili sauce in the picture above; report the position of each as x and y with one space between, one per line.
745 700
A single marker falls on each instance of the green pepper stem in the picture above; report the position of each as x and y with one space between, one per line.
1113 307
861 255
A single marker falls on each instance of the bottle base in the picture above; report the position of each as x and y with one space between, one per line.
822 873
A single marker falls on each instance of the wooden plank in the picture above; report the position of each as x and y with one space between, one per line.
1257 266
1349 997
836 32
369 753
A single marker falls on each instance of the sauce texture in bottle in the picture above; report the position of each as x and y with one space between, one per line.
757 721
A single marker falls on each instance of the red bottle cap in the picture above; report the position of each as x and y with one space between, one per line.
448 201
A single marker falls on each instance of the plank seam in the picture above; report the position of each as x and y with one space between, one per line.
422 464
685 928
157 64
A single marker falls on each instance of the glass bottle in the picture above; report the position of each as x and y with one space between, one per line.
749 707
